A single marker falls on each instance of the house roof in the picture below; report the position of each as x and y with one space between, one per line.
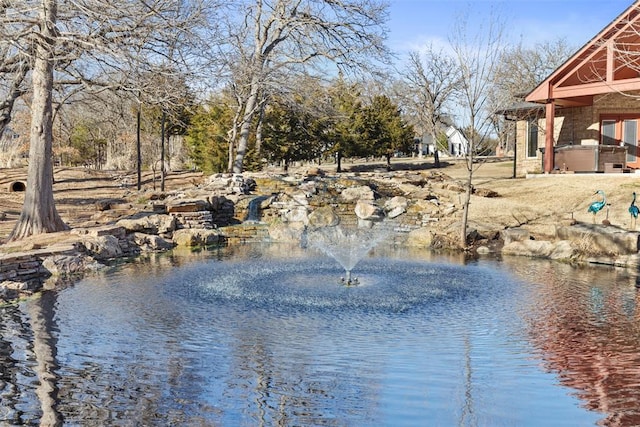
609 62
522 108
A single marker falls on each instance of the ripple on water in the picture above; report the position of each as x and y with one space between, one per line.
315 285
264 342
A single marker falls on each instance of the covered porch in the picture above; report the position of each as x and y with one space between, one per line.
590 106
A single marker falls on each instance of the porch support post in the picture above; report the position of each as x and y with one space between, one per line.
548 139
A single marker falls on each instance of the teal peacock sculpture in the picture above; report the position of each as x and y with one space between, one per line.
597 206
634 211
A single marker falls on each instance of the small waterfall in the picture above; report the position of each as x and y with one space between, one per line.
253 209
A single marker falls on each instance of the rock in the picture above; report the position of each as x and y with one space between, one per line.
150 242
324 216
149 224
420 237
189 205
598 239
297 214
106 204
368 211
540 249
485 192
314 171
351 194
514 235
102 247
301 198
286 233
423 207
308 188
193 237
396 206
395 212
64 265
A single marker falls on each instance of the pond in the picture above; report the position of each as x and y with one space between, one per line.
267 335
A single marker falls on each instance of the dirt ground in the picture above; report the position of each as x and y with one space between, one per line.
540 203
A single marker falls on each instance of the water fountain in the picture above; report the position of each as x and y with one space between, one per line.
347 246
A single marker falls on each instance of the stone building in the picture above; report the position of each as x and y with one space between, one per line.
592 105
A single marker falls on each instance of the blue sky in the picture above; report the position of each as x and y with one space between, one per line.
414 23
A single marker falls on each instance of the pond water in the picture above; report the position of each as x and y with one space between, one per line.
266 335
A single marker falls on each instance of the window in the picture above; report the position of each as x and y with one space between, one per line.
622 130
532 138
608 132
630 139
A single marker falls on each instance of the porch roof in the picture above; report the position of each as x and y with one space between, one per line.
609 62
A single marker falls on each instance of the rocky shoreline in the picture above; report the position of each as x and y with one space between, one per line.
422 207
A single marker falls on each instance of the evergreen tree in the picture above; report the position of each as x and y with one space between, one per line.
383 131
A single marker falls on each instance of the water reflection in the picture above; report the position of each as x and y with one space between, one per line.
28 350
244 336
584 321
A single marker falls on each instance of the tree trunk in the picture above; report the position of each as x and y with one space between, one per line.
232 135
162 169
436 156
259 128
39 214
245 128
138 147
339 162
468 188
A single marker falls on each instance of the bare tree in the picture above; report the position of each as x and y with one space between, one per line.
477 57
432 79
90 43
520 69
39 214
15 63
283 36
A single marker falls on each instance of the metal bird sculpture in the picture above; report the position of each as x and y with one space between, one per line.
596 207
634 211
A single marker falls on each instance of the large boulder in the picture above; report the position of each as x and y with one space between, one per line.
65 265
540 249
324 216
593 239
420 237
286 233
297 214
368 211
102 247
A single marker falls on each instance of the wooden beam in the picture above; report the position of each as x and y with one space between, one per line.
609 71
596 88
617 27
580 101
548 136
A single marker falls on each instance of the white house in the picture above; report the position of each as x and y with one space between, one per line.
457 143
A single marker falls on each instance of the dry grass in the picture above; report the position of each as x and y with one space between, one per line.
538 203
